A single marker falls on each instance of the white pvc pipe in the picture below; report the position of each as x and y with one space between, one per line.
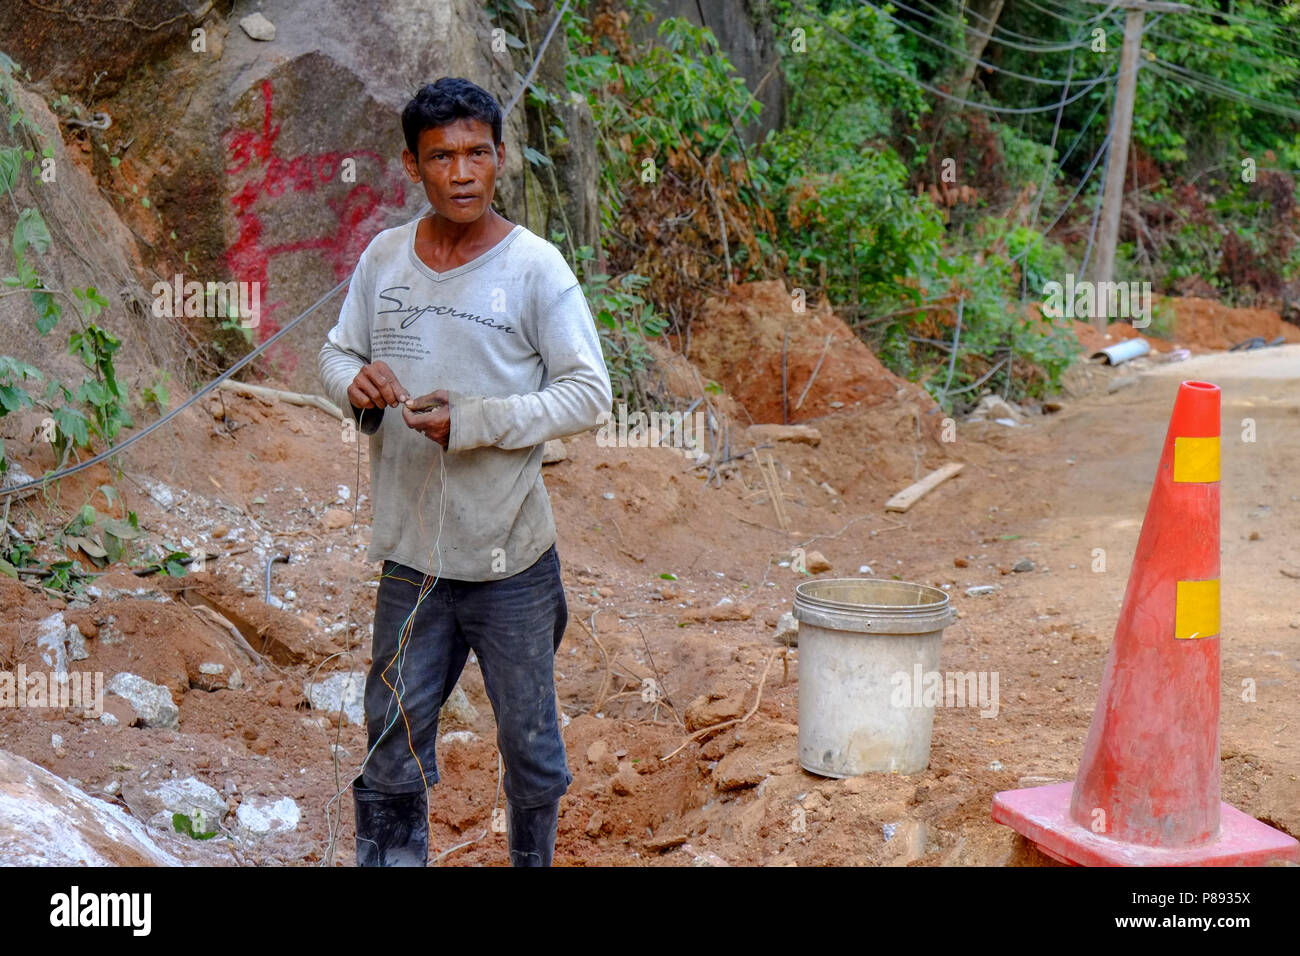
1121 352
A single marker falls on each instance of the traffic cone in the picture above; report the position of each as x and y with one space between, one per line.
1147 791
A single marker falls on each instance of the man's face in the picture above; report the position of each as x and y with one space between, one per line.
458 165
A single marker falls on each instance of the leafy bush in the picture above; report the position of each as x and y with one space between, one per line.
624 320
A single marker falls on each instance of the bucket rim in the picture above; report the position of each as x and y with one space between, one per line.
803 593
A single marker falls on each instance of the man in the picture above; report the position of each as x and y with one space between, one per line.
487 325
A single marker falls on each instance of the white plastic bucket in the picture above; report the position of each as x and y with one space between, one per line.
856 635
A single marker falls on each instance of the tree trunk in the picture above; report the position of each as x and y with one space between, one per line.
977 38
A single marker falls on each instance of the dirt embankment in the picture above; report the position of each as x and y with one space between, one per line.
1200 325
754 339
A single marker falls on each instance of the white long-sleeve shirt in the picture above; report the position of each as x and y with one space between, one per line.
510 337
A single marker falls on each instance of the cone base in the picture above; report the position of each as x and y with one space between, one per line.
1042 814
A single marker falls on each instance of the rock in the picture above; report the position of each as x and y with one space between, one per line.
260 818
815 562
56 741
719 612
738 770
995 408
46 822
108 634
108 719
707 710
76 644
152 703
707 858
787 630
597 751
346 690
595 824
335 518
51 638
553 451
458 709
162 495
190 797
459 737
658 843
14 476
212 676
803 434
142 593
906 842
855 785
258 27
980 589
624 782
1024 564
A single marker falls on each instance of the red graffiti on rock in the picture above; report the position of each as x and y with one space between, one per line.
268 177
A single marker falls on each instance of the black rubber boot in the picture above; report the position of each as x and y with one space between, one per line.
392 829
531 834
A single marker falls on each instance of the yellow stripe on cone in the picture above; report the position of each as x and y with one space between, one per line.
1196 459
1196 610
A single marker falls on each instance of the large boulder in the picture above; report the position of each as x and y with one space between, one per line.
275 161
45 821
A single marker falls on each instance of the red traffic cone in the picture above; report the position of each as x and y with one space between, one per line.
1147 791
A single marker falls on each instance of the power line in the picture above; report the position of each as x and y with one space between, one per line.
1247 21
1037 48
1270 65
1194 40
962 53
1051 148
1065 101
1110 8
1083 129
1101 150
1059 16
940 93
1215 87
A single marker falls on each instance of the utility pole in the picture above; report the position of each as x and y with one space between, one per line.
1112 199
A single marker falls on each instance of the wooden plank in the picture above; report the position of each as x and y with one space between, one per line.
914 493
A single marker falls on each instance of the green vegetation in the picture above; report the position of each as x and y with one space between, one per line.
79 415
904 207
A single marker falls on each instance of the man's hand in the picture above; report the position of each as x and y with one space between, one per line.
376 387
430 415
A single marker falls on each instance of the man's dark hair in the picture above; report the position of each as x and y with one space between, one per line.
444 102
